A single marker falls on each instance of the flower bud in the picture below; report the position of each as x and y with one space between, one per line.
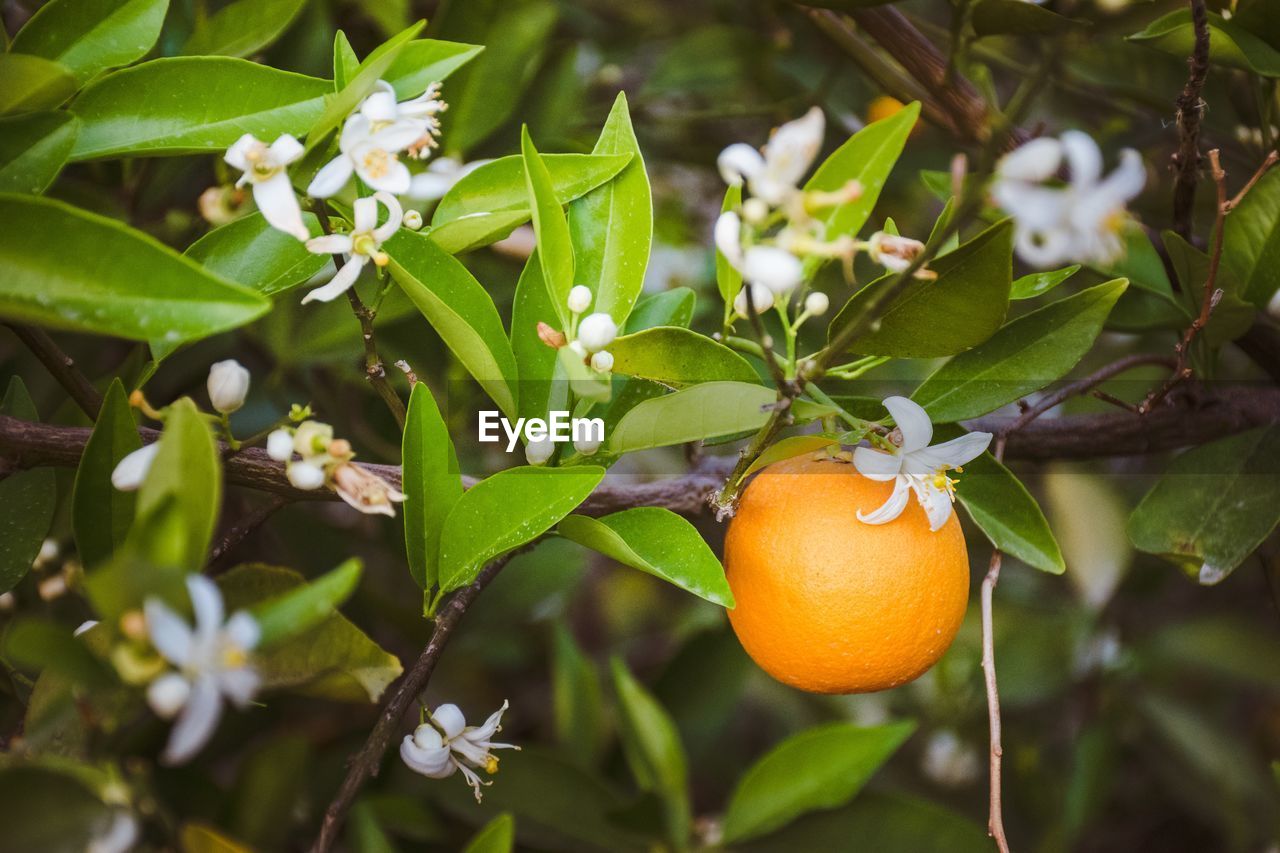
412 220
893 252
597 331
602 361
579 298
538 452
816 303
168 694
761 297
553 338
312 438
132 470
228 384
587 446
578 349
280 445
304 475
755 210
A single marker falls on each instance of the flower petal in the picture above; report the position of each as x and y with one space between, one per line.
738 162
239 685
876 464
792 148
953 453
341 281
1034 161
171 636
332 178
380 106
450 720
1044 249
279 205
330 244
243 630
777 269
236 155
206 601
891 508
935 502
913 422
490 727
395 215
355 131
728 237
1127 179
285 149
1084 157
395 178
431 185
196 723
434 763
365 214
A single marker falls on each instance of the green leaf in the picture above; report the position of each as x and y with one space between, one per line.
459 309
426 61
187 472
1214 505
819 768
728 279
374 67
577 698
243 27
678 357
499 185
1251 241
27 500
1040 283
100 513
656 541
497 836
1023 357
517 33
271 779
43 809
1229 44
505 511
431 484
611 227
33 150
251 253
333 659
30 83
788 448
478 229
118 281
91 36
584 382
43 645
866 157
1005 511
555 249
345 61
1017 17
654 753
959 310
536 361
288 614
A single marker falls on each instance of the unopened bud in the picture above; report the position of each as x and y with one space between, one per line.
579 298
602 361
133 624
132 469
412 220
587 446
305 476
817 303
755 211
168 695
553 338
339 447
227 385
538 452
597 331
280 445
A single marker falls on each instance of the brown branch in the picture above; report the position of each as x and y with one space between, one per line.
61 366
1190 112
995 809
366 763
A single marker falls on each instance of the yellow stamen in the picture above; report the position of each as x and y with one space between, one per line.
491 765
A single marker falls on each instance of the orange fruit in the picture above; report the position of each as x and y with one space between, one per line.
828 604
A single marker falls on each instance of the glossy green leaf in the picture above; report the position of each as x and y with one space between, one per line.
29 83
374 68
333 659
1251 241
345 61
505 511
459 309
91 36
654 752
577 699
305 606
672 307
100 513
788 448
431 484
43 809
1229 44
477 230
677 357
152 562
188 472
728 279
250 252
555 248
27 500
1016 17
1214 505
866 157
656 541
44 645
1039 283
583 380
426 61
611 227
1021 358
537 362
963 307
118 281
819 768
499 186
497 836
243 27
33 150
1006 512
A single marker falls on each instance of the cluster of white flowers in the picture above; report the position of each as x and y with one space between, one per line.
915 466
326 461
211 664
768 237
445 744
1081 220
370 144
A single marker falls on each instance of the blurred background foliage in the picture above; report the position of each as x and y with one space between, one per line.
1141 712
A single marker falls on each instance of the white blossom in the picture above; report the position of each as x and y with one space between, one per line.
446 744
773 173
228 384
130 471
914 466
119 835
597 331
212 661
892 252
579 298
761 298
371 150
305 475
770 266
439 177
362 245
266 167
1080 221
280 445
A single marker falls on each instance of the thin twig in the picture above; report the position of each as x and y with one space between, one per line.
243 526
366 763
1190 112
1272 159
61 366
1080 386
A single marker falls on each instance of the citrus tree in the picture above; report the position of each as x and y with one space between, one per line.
498 404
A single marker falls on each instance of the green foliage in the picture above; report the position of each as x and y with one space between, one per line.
243 27
45 809
998 17
497 836
1039 283
90 36
499 186
678 357
27 500
250 252
432 484
789 447
100 513
304 607
1251 241
1005 511
33 149
555 247
30 83
577 698
1229 44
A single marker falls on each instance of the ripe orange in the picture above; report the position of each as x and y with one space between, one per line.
828 604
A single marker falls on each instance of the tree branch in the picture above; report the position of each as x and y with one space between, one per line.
61 366
1190 112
